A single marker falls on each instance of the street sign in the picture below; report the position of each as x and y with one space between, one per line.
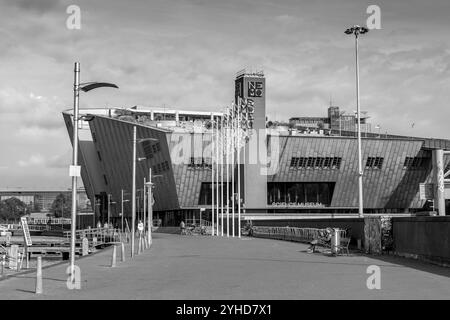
426 191
74 171
26 231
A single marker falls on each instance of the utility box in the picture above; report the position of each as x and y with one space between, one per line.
335 241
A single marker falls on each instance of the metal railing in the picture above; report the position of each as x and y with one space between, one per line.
291 233
103 235
49 221
196 222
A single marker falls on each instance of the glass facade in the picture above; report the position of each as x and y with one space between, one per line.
301 194
205 197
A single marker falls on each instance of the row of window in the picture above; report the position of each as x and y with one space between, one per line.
150 148
199 163
414 162
335 162
374 162
316 162
160 167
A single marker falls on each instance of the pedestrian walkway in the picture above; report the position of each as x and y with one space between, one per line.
200 267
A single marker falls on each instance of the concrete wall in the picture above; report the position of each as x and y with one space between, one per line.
356 225
426 238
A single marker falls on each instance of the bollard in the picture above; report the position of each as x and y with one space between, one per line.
113 260
39 276
139 245
123 252
146 246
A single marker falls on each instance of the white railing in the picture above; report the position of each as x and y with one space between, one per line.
49 220
196 222
291 233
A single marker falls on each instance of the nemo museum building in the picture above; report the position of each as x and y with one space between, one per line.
310 165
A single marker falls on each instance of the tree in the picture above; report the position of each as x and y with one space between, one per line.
12 209
61 206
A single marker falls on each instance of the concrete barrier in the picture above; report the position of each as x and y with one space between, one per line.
424 238
114 256
39 288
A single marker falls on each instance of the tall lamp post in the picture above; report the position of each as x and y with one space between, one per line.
133 185
149 185
75 168
121 206
357 30
109 208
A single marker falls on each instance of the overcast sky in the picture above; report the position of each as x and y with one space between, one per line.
185 53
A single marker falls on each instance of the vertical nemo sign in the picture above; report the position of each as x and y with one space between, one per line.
26 231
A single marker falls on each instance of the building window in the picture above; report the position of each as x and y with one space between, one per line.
300 194
199 163
414 163
150 148
161 167
156 147
205 197
315 162
99 156
374 163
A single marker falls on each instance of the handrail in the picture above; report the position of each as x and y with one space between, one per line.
100 233
292 233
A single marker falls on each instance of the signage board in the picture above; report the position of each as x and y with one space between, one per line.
426 191
26 231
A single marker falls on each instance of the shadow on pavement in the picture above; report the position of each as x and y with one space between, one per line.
414 264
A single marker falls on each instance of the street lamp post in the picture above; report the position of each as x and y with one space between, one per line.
150 204
75 169
133 193
122 213
357 30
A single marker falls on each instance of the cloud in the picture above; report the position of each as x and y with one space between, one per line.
40 161
35 160
40 6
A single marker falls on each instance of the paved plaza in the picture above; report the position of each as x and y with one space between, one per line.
196 267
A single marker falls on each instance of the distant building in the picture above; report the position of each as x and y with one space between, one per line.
336 121
41 200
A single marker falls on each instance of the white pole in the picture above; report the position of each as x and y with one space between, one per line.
217 177
109 208
150 207
239 166
133 194
227 144
144 206
121 208
76 93
212 178
222 146
233 139
360 172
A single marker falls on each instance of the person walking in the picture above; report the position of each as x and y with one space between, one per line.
182 228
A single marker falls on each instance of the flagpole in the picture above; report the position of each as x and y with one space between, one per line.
228 170
232 133
212 177
217 176
222 138
239 165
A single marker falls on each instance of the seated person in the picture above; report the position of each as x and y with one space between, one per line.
324 236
